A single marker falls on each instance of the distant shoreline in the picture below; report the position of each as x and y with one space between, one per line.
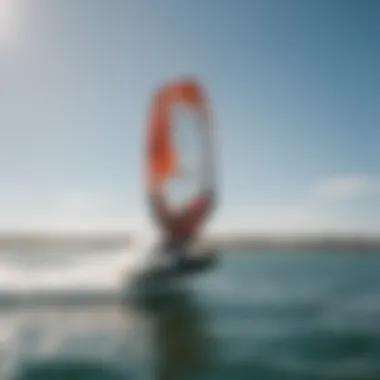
108 241
255 246
358 243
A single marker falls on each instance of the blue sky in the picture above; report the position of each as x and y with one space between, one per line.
294 86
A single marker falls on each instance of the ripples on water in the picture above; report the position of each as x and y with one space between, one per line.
265 316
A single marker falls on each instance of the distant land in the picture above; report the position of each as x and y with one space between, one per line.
318 242
98 241
62 241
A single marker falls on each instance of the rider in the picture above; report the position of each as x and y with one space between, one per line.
180 228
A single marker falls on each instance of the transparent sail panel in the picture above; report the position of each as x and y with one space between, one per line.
188 136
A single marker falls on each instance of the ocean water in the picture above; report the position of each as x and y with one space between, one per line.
265 315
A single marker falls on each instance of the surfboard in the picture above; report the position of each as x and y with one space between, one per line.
180 170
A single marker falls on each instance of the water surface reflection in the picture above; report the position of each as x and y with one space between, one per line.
161 337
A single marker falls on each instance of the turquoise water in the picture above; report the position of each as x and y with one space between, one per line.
258 316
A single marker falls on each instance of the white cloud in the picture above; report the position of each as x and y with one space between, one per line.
9 23
285 218
347 186
71 210
319 210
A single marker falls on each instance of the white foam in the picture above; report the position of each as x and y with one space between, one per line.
108 271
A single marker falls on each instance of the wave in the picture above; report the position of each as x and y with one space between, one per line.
91 277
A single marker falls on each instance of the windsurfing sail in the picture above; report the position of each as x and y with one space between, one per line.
180 158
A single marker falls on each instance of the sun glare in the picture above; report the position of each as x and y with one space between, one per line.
6 21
